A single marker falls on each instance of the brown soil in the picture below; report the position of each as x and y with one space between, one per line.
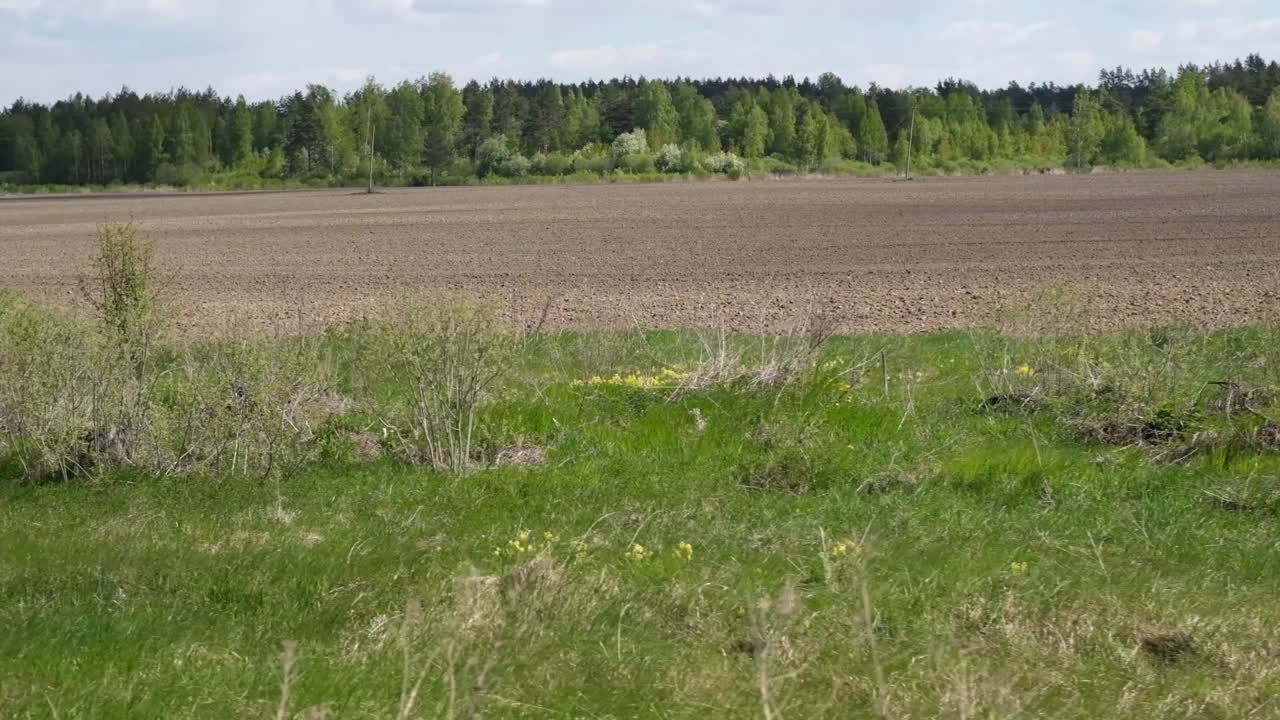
1134 249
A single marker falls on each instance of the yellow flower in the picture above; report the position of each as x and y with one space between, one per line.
550 537
1025 371
638 552
845 549
1018 568
684 551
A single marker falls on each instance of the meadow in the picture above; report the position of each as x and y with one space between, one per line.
434 513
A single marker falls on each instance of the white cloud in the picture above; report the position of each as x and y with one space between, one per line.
599 61
1079 61
1145 41
271 84
996 32
52 48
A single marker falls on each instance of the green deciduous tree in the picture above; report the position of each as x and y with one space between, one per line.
1226 132
180 142
240 134
656 114
442 116
873 141
402 142
1121 143
1087 129
782 121
699 126
749 126
810 147
1269 128
1178 134
581 121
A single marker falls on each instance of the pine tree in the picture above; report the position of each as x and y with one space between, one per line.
27 158
546 116
478 119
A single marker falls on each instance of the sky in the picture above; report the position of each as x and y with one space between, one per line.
263 49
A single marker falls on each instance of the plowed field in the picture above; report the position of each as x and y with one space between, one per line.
1132 249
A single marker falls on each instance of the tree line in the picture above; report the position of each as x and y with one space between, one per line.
430 130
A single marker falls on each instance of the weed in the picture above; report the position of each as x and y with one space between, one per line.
789 470
451 356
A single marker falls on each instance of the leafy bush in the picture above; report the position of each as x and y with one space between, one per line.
639 163
598 164
185 175
670 159
724 162
452 357
551 164
632 143
81 398
516 165
492 154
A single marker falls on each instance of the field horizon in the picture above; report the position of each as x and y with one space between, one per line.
875 255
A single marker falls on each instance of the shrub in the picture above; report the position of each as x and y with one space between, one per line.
492 154
516 165
77 398
451 356
45 390
598 164
670 159
555 164
639 164
724 162
632 143
178 176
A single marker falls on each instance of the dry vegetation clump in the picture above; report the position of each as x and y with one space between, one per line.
84 398
451 357
1246 495
1237 399
1167 646
1138 426
774 362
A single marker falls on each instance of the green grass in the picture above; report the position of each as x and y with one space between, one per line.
868 541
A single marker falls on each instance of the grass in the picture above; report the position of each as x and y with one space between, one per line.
901 527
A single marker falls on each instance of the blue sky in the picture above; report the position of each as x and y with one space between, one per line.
264 48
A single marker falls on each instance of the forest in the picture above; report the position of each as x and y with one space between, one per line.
430 131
